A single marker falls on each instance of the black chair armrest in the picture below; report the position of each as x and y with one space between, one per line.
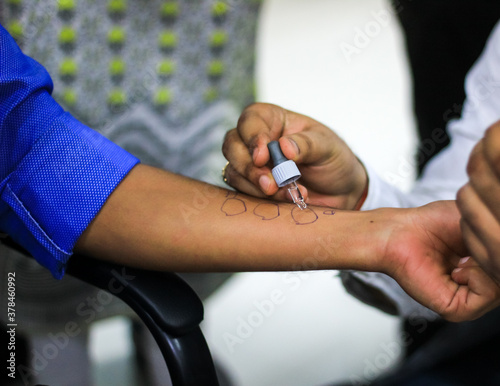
167 305
168 299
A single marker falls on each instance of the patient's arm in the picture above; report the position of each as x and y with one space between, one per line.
159 220
162 221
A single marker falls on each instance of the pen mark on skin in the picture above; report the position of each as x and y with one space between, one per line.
329 212
267 211
304 216
233 206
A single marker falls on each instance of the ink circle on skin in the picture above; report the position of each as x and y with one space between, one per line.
304 216
267 211
329 212
233 207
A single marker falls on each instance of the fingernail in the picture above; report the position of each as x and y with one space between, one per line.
294 146
456 270
264 182
255 154
464 260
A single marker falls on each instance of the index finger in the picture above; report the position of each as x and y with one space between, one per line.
483 179
491 145
258 125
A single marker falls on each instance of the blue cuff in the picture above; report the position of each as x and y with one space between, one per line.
58 188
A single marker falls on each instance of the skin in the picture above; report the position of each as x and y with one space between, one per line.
479 203
161 221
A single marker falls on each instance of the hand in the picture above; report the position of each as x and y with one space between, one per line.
331 173
426 257
479 203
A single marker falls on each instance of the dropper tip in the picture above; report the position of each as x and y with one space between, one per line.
297 198
301 204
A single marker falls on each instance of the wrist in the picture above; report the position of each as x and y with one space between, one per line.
382 226
367 236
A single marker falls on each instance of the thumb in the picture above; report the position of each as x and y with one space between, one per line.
480 293
310 147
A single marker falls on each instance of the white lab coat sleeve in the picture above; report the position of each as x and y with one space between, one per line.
446 172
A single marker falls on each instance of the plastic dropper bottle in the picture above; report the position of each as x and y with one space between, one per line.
285 173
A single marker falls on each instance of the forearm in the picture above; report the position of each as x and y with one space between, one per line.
159 220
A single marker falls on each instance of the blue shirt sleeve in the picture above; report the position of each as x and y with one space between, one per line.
55 172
